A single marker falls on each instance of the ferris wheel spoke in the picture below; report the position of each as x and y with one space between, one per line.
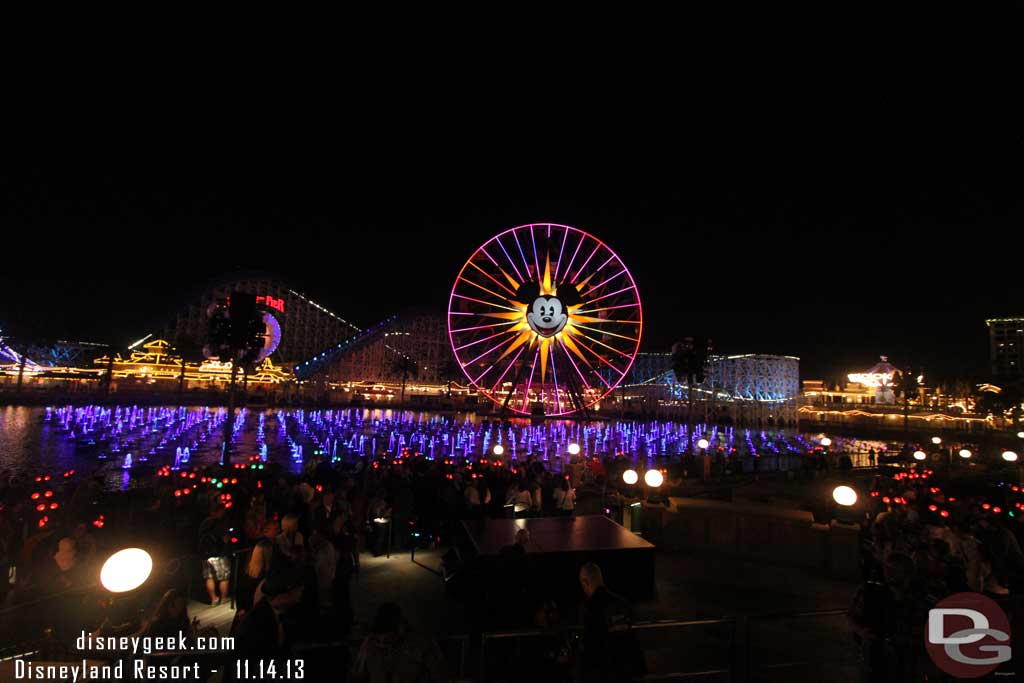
605 296
602 359
573 363
584 266
561 250
583 283
513 263
605 332
529 379
479 327
536 259
490 350
479 286
485 303
610 348
572 260
483 339
522 255
608 308
511 280
492 278
602 284
507 368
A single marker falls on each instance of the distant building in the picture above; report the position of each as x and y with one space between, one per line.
1006 345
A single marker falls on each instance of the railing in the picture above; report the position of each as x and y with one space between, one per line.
739 657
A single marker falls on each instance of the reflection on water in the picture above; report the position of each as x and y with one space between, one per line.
124 445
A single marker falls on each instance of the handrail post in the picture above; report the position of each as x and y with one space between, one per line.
741 650
234 580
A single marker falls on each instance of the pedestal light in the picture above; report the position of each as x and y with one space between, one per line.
1011 456
498 449
844 496
826 442
654 478
630 477
126 570
965 454
936 440
703 444
920 455
574 449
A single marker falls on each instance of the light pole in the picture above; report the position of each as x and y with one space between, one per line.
703 444
1011 456
845 497
126 570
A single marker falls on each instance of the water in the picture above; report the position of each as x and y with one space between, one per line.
126 444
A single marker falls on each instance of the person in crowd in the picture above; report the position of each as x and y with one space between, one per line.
395 653
478 498
887 619
290 542
170 617
610 651
324 511
345 565
261 560
262 635
213 552
255 518
564 497
67 572
325 560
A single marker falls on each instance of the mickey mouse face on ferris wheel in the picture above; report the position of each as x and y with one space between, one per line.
547 315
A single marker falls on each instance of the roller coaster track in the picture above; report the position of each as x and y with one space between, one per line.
320 361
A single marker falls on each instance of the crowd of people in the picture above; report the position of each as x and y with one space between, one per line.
920 544
283 547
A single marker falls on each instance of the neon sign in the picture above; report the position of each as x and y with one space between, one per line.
270 302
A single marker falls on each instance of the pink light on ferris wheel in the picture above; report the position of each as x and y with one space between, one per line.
560 295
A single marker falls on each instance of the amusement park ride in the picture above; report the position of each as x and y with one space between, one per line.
545 319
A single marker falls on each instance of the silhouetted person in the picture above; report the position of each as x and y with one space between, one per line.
610 650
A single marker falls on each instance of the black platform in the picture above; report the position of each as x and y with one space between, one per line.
561 545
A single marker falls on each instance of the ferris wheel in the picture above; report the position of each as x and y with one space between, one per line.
545 318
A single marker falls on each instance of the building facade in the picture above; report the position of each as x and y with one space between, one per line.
306 327
1006 346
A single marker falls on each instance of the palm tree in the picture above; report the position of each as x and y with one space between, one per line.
406 367
905 386
451 370
188 350
689 358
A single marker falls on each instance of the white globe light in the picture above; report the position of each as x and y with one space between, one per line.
703 444
964 453
919 455
126 570
498 449
653 478
1009 456
844 495
1020 435
574 449
936 440
826 442
630 477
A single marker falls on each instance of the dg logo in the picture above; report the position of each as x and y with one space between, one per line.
968 635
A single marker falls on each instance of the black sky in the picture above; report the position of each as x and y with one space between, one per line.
833 252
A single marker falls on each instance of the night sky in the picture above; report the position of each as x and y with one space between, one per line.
834 257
